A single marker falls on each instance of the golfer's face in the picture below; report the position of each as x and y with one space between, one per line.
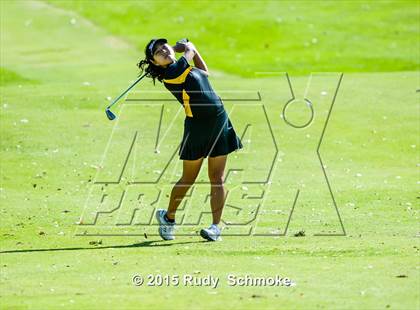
164 55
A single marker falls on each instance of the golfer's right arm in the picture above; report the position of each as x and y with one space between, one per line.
191 53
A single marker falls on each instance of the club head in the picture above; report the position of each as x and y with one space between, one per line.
111 116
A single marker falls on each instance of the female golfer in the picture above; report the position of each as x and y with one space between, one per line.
207 128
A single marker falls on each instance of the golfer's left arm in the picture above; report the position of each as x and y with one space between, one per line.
191 53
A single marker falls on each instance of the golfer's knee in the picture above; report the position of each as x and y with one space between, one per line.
216 179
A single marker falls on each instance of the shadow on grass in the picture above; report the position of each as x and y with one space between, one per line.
152 243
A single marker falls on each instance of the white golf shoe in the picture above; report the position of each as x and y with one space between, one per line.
166 229
212 233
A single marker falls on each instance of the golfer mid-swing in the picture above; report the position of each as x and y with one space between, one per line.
207 128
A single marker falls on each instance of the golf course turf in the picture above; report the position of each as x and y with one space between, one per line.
346 233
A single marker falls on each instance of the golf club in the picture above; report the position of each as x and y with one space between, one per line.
111 116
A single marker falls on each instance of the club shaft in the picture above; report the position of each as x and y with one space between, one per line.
126 91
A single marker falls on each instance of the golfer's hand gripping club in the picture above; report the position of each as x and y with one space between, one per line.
179 47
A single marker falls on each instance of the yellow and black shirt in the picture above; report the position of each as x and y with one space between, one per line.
192 89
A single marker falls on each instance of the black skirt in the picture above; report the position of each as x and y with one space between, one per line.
208 137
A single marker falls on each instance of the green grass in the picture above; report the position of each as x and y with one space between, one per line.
293 36
54 134
10 77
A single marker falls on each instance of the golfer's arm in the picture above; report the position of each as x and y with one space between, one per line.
194 55
199 62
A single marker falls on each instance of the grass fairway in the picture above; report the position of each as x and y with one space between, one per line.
57 70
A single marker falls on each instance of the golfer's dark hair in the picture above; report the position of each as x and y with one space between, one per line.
151 70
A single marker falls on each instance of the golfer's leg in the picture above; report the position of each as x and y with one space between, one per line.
190 171
218 195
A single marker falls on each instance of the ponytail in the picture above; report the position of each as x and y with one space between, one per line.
151 70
